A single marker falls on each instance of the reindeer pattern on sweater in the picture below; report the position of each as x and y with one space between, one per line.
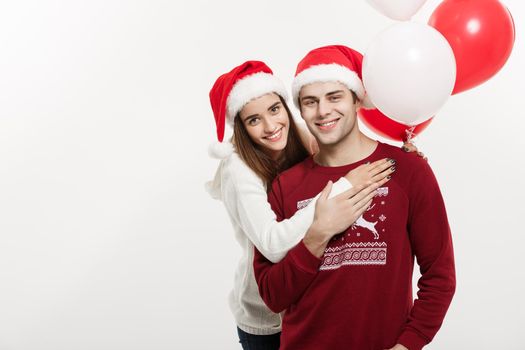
361 243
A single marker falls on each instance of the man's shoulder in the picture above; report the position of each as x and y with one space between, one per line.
412 171
293 176
409 161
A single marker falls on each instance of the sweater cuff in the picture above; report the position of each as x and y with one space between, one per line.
412 340
340 186
303 259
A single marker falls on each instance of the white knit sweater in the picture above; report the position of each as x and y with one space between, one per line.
244 196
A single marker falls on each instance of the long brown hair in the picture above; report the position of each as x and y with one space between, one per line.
261 163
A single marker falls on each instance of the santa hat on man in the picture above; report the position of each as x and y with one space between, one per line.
232 91
331 63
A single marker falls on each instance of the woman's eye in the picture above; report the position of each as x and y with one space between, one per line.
253 121
275 109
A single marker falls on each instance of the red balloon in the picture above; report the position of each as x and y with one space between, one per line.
481 34
384 126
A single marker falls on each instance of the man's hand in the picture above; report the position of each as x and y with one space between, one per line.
398 347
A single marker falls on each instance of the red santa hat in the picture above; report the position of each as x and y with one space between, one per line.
331 63
235 89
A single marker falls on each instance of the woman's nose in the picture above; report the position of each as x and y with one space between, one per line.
269 126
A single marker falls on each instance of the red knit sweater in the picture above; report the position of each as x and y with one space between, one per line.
359 295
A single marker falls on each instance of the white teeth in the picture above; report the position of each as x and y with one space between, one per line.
328 124
277 134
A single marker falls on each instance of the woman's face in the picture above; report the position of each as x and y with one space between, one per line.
266 122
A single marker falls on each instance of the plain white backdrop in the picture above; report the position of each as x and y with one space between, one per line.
107 237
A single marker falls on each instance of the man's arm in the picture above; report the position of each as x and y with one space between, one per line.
431 242
282 284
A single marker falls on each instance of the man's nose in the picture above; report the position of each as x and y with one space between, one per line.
324 108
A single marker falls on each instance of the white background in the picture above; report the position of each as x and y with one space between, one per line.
107 238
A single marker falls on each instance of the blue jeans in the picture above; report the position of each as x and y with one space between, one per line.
259 342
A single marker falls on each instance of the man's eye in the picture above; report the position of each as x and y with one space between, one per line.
335 98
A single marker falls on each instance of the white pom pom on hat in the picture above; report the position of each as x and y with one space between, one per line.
220 150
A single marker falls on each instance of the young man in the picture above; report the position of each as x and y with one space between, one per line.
354 291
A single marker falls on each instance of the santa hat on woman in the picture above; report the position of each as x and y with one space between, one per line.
331 63
232 91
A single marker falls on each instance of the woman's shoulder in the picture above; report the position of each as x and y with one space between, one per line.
307 138
234 163
233 176
236 169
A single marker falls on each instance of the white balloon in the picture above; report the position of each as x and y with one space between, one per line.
409 72
401 10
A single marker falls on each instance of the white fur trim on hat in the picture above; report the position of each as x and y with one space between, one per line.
250 87
330 72
220 150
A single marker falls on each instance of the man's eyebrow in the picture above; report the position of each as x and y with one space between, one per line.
334 92
327 94
308 97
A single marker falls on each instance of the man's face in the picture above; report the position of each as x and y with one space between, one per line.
329 111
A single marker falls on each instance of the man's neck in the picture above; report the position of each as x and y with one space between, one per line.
349 150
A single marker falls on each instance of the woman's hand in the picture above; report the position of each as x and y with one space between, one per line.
410 147
371 172
336 214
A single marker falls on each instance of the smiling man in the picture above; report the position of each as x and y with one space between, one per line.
355 290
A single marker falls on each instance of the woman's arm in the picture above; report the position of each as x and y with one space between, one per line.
246 199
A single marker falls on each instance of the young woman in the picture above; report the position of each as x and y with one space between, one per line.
266 141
